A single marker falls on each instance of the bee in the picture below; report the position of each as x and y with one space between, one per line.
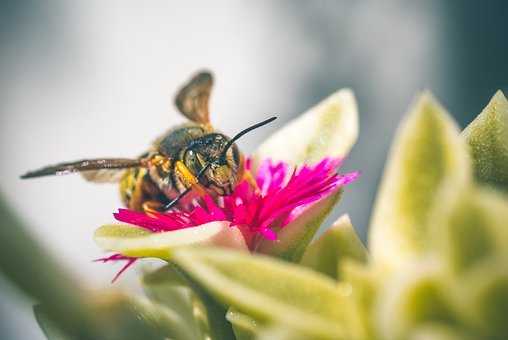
188 161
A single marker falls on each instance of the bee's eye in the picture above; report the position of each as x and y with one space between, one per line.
193 161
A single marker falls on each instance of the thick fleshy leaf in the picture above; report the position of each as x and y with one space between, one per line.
427 155
49 328
26 264
167 287
437 331
469 226
138 242
414 297
245 327
487 136
481 297
119 317
360 284
339 242
293 239
208 316
329 129
268 290
280 333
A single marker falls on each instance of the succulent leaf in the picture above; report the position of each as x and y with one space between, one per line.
137 242
426 156
487 136
167 287
329 129
279 292
49 328
411 298
436 331
339 242
244 327
469 226
481 298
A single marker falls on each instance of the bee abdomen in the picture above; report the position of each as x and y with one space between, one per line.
136 188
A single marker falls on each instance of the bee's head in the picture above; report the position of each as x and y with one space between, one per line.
216 161
219 168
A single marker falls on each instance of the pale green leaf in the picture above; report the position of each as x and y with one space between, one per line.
268 290
470 225
481 297
435 331
339 242
49 328
244 326
329 129
426 156
411 298
360 284
487 136
167 287
293 239
280 333
26 264
137 242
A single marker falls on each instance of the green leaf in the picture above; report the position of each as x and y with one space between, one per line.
268 290
245 327
411 298
329 129
293 239
165 321
339 242
487 136
137 242
360 284
280 333
50 329
435 331
469 226
177 290
481 297
426 156
36 273
118 317
167 287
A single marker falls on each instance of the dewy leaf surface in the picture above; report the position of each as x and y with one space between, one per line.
137 242
487 136
268 290
339 242
329 129
426 156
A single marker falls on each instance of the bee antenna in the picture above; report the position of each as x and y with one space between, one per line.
242 133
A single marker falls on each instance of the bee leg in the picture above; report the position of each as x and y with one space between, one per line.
151 206
173 202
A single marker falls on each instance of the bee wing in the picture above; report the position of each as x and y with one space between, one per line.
85 165
103 175
192 99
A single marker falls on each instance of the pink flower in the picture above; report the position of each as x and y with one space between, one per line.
281 195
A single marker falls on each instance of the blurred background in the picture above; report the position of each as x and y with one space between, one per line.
97 78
